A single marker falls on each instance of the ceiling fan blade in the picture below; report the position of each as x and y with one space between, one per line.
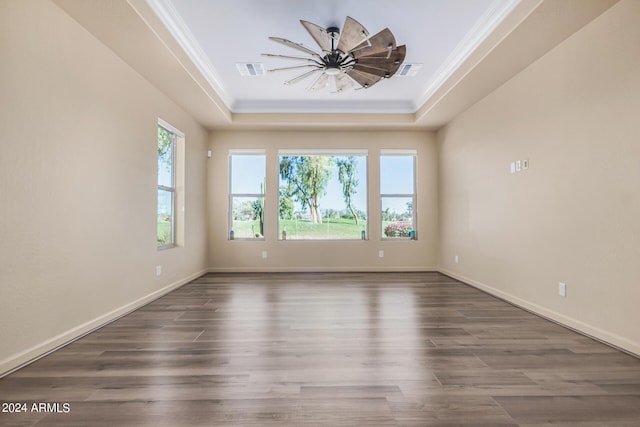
295 58
380 43
319 83
380 65
353 33
296 46
301 77
319 34
380 72
397 54
397 57
364 79
295 67
343 82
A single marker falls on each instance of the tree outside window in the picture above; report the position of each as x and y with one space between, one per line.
166 188
322 195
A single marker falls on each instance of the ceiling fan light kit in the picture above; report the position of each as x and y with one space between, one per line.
351 59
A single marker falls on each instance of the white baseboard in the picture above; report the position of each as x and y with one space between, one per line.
323 270
15 362
591 331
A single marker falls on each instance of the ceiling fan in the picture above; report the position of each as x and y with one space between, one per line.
352 59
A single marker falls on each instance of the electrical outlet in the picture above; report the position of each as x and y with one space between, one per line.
562 289
158 270
455 259
381 254
264 254
525 164
518 165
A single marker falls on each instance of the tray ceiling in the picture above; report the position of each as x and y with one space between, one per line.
218 34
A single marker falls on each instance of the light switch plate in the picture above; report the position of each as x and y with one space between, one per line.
562 289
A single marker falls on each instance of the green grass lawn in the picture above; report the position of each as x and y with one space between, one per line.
164 231
246 229
331 228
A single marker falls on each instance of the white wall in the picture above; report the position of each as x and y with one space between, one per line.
574 215
78 184
358 255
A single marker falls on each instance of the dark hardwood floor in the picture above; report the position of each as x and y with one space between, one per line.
401 349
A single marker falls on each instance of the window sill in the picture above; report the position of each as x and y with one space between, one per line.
165 247
398 239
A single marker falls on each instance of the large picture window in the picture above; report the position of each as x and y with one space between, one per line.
246 194
170 156
323 195
398 194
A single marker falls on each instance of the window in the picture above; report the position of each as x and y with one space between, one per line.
246 194
398 194
170 177
322 194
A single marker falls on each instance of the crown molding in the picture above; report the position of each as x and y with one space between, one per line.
325 106
487 23
169 16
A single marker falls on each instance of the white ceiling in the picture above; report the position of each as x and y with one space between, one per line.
217 34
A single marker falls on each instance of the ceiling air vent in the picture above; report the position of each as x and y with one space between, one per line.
250 69
408 70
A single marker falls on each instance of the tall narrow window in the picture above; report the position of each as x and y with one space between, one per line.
170 175
398 194
246 194
323 195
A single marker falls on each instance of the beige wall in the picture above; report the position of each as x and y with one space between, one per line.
78 184
226 255
78 187
573 217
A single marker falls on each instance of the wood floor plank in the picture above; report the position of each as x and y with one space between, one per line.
550 409
451 410
330 349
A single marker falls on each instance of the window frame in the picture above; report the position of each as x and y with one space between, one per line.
413 196
232 195
173 188
326 152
